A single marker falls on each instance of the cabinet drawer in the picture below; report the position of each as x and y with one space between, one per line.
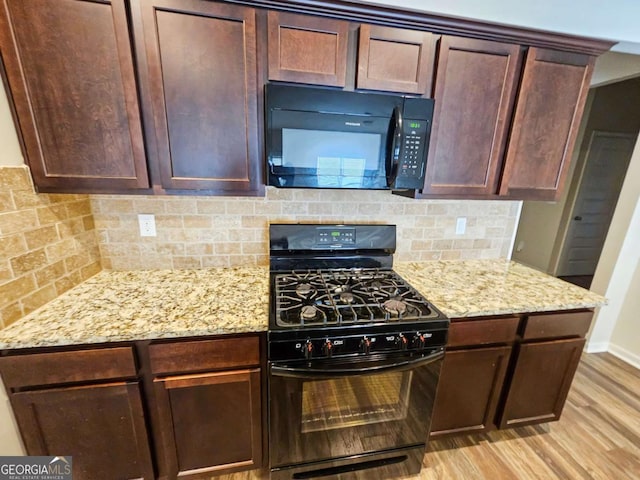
205 355
482 332
67 367
568 324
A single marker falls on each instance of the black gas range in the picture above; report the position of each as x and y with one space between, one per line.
354 352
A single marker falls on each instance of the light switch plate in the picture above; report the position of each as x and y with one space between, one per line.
461 225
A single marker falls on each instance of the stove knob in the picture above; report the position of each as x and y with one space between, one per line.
365 345
402 342
327 348
418 341
307 349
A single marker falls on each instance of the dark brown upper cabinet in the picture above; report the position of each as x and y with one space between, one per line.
395 60
475 87
547 117
307 49
70 74
200 81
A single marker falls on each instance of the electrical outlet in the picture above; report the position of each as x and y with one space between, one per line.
461 225
147 223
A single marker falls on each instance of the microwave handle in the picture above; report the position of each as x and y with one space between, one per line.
395 146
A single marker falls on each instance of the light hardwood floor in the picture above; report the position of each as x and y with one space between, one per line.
597 437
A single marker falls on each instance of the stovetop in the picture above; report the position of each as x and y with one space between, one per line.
343 297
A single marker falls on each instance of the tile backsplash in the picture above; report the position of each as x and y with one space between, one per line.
196 232
47 244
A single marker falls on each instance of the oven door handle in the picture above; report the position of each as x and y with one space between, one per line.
356 369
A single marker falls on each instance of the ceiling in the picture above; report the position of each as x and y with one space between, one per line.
617 20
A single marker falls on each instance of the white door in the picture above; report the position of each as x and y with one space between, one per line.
606 165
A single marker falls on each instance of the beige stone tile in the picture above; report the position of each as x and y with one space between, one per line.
109 205
120 250
60 197
263 207
149 205
90 270
15 289
481 243
210 206
67 282
15 178
70 227
51 214
50 273
168 221
59 250
77 261
284 194
239 207
254 248
424 221
442 244
242 235
417 208
167 249
227 248
38 298
12 245
88 222
216 261
320 208
421 245
198 249
15 222
184 206
197 221
11 313
411 233
108 221
6 273
253 222
437 209
79 208
41 236
6 202
262 260
29 262
124 235
106 263
24 199
295 208
187 262
463 244
451 255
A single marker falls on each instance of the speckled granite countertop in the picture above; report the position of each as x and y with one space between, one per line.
119 306
122 306
493 287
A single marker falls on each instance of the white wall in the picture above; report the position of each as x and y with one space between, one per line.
614 20
625 340
614 67
10 443
617 267
10 153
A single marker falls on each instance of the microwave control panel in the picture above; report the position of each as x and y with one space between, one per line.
411 164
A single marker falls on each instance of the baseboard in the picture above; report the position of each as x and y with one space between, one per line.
625 355
596 347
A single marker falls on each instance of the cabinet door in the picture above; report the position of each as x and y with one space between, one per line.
550 104
100 426
307 49
541 381
211 423
469 389
395 60
70 75
474 92
202 89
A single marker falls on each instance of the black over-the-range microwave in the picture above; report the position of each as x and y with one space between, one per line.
324 138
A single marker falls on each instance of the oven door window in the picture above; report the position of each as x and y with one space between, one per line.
355 401
325 150
313 418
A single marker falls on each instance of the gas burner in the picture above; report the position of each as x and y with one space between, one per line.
305 290
376 285
309 312
347 297
395 306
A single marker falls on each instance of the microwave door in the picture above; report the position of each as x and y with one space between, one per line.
394 146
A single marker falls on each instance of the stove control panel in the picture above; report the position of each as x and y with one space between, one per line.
336 236
336 346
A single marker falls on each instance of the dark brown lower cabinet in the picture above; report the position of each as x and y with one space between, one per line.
541 380
469 389
506 371
100 426
211 422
